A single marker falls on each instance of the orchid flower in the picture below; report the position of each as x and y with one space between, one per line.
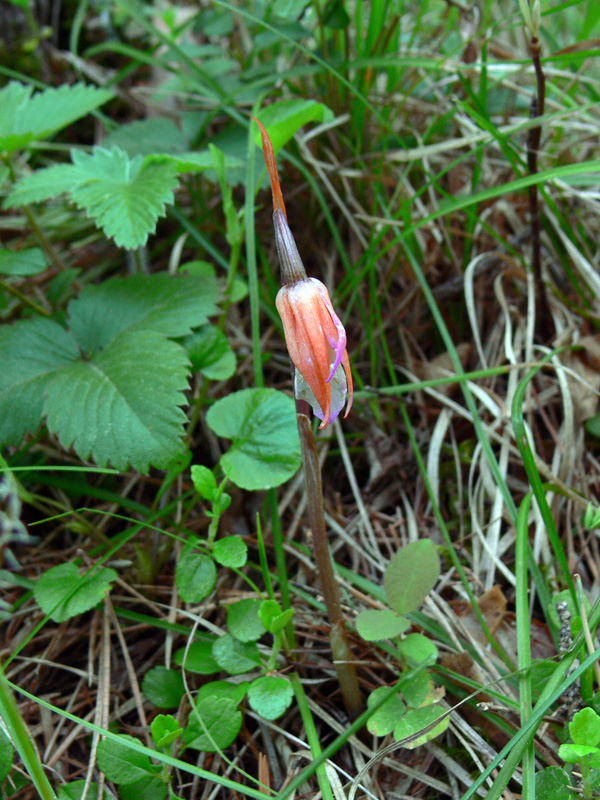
314 334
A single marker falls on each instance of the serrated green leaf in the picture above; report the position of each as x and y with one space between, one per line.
416 720
146 136
148 788
28 117
120 763
232 551
22 263
164 687
265 450
31 353
63 592
284 118
214 723
377 624
6 755
125 197
195 577
123 403
411 575
385 719
235 657
210 353
204 481
42 184
270 696
243 620
171 305
199 657
165 730
192 161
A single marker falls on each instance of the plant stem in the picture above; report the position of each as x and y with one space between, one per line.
21 739
340 648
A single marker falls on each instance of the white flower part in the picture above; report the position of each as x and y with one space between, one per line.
339 389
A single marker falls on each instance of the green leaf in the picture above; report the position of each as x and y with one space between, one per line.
385 719
148 788
192 161
575 753
585 727
161 303
214 723
199 657
281 621
121 406
165 730
6 755
164 687
376 624
31 352
42 185
195 577
235 692
232 551
269 610
243 620
204 481
418 690
552 783
28 117
284 118
418 649
265 450
22 263
146 136
210 353
125 197
411 575
235 657
414 721
270 696
74 791
120 763
62 592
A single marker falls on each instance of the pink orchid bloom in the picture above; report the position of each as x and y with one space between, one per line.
314 334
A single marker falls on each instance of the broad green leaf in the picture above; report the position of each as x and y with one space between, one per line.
63 592
125 197
42 184
411 575
213 725
235 657
31 352
199 657
243 620
232 551
6 755
121 406
22 263
120 763
167 304
235 692
418 649
377 624
281 621
265 450
164 687
269 611
165 730
418 690
146 136
148 788
385 719
28 117
270 696
414 721
574 753
210 353
74 791
585 727
204 481
552 783
284 118
195 577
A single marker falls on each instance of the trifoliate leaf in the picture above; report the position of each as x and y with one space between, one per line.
121 406
164 687
232 551
22 263
270 696
31 352
121 763
411 575
28 117
171 305
195 577
210 353
265 450
63 591
125 197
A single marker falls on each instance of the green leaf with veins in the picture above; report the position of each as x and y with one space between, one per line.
63 592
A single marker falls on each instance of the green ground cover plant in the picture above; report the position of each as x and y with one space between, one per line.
207 591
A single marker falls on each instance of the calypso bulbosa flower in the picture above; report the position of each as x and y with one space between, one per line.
314 334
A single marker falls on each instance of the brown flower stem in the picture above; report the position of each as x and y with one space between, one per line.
533 146
338 637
